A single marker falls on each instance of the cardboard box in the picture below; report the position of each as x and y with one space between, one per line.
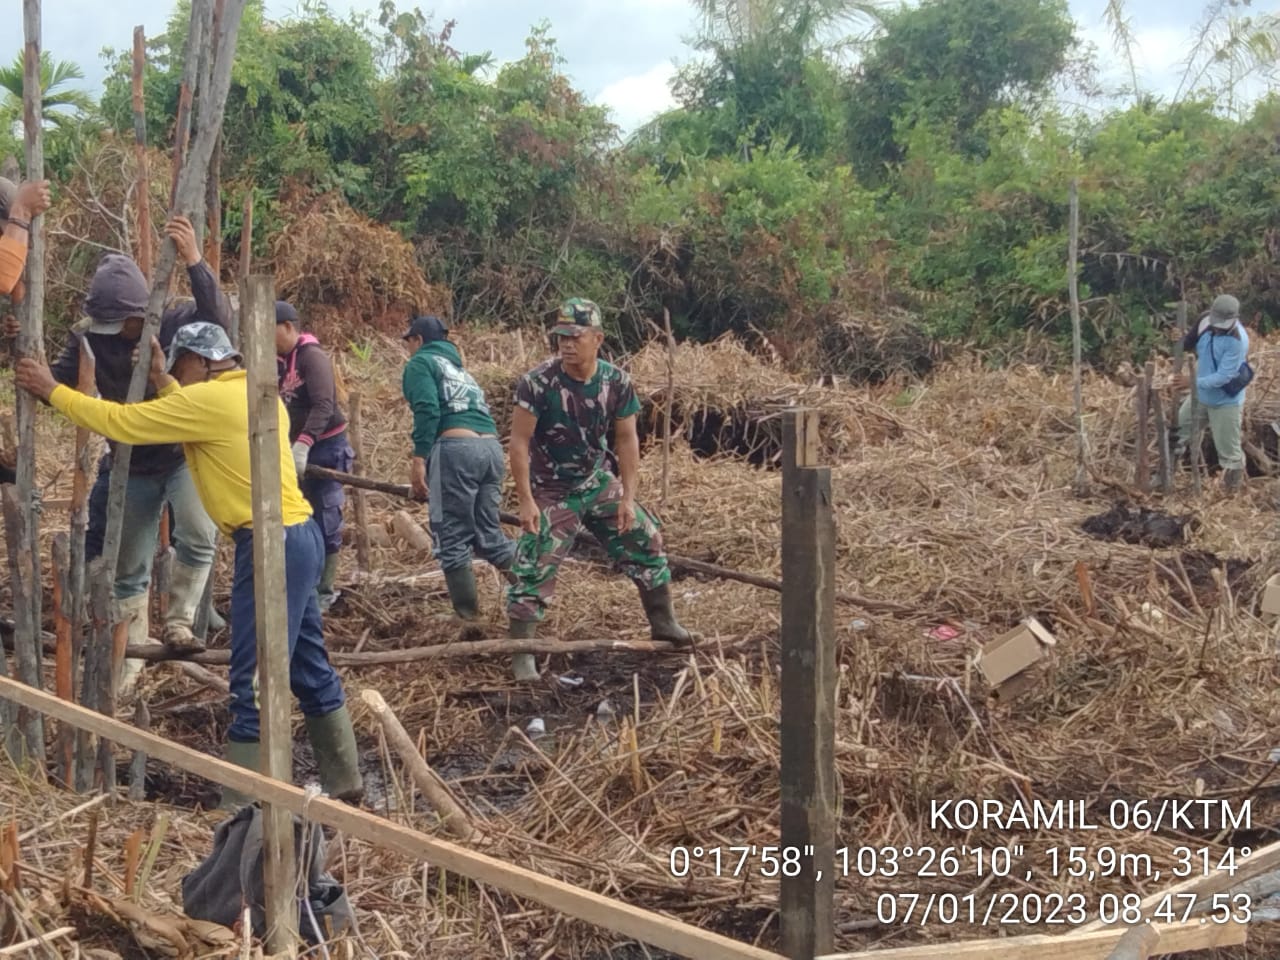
1271 596
1004 660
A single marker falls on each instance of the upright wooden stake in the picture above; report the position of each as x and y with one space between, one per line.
246 258
670 400
188 199
142 182
62 675
28 608
77 574
808 774
355 431
1142 468
1162 441
257 306
1197 435
1082 444
28 749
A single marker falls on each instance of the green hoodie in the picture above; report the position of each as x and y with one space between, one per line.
442 396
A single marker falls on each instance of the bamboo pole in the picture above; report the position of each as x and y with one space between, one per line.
1077 397
257 304
26 545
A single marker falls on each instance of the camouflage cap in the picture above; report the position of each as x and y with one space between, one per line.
576 315
206 340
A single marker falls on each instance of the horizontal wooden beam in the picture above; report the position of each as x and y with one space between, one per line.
646 926
1092 945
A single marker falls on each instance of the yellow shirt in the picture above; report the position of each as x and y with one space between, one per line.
211 421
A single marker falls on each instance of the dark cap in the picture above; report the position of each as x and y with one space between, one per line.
428 328
285 312
117 292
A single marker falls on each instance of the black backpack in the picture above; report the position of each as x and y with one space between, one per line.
230 878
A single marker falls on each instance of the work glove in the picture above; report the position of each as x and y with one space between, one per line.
300 453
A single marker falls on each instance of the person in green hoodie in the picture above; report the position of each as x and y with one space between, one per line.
458 462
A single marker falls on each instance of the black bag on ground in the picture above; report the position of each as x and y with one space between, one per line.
230 878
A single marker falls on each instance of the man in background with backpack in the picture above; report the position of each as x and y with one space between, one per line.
317 431
1221 346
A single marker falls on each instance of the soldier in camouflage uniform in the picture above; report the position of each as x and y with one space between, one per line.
560 462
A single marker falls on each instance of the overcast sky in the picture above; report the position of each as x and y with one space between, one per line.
619 52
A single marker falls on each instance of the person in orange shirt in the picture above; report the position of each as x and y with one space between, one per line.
18 204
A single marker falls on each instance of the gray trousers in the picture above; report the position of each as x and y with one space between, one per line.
464 479
1225 425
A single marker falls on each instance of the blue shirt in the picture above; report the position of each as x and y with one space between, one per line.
1219 358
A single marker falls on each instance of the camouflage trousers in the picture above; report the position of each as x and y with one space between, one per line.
637 553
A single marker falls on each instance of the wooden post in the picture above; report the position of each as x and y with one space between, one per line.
257 305
1077 395
24 545
188 198
77 574
356 431
213 186
1162 441
1197 436
808 773
670 399
142 181
138 768
28 748
97 662
62 674
1142 469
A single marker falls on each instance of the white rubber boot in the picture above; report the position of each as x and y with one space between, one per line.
185 593
133 609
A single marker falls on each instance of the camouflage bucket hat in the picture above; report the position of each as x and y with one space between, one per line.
206 340
574 316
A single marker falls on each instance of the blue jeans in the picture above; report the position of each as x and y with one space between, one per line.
311 677
327 496
464 479
193 534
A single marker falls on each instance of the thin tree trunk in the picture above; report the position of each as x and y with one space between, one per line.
28 609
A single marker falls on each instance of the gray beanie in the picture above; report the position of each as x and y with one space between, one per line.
118 291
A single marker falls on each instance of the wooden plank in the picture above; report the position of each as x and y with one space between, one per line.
355 428
647 926
257 306
808 773
1094 945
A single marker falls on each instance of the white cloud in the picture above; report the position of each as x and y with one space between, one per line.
638 98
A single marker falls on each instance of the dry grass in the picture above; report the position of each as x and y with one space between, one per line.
952 499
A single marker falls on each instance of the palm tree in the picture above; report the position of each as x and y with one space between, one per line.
59 106
736 23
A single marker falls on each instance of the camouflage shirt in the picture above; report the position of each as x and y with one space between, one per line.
571 440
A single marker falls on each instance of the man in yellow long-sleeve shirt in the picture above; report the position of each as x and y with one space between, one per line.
206 409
